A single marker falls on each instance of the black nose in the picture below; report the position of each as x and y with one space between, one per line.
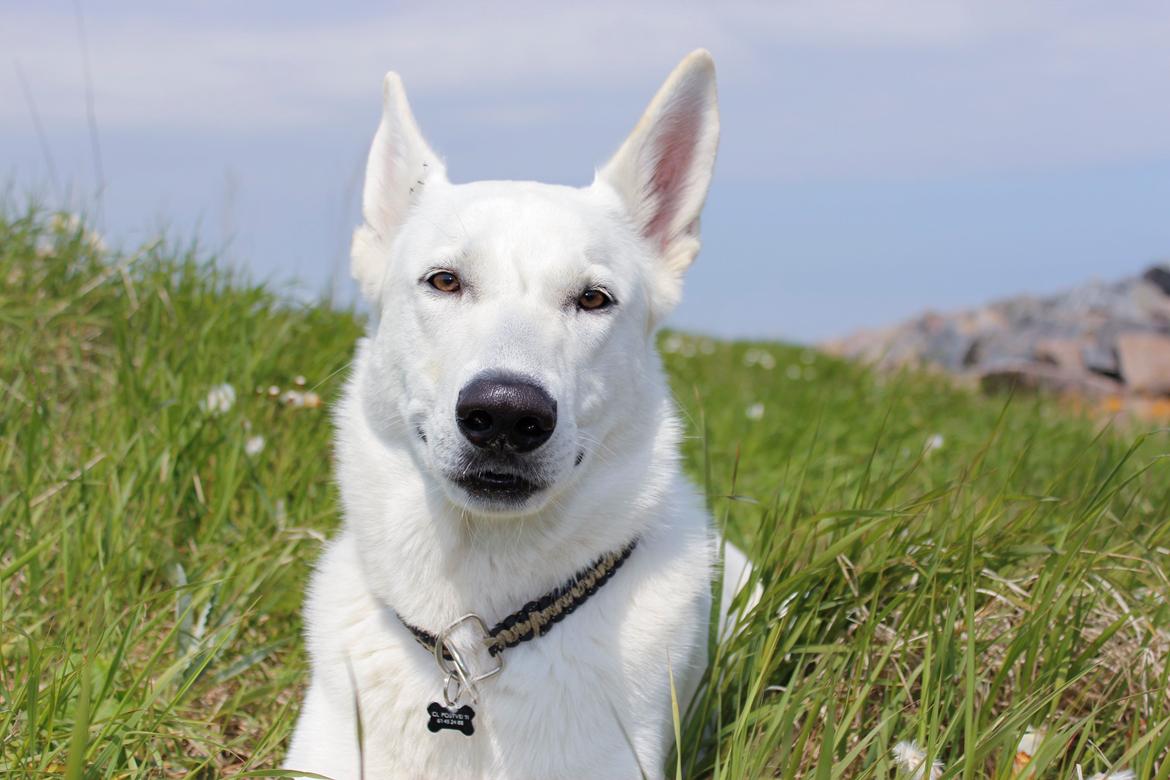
507 413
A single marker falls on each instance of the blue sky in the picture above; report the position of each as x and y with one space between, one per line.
878 158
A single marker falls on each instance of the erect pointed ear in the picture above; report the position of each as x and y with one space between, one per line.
664 168
401 164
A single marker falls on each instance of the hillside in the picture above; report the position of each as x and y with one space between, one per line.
938 566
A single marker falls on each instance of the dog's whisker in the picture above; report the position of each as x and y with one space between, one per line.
601 452
332 374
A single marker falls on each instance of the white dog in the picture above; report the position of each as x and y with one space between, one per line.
507 455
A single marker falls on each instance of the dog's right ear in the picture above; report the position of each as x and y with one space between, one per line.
401 164
663 169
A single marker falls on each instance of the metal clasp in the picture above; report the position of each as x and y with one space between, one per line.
458 678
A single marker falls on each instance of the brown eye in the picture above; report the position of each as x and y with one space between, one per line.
593 299
444 281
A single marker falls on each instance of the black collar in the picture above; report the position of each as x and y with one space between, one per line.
536 618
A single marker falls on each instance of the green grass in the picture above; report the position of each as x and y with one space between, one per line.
151 569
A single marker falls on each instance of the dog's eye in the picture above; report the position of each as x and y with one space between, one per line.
444 281
594 299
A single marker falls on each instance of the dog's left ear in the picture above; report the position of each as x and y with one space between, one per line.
664 168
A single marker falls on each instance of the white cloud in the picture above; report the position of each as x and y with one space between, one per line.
853 87
158 72
155 70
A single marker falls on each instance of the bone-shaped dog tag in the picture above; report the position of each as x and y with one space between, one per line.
451 718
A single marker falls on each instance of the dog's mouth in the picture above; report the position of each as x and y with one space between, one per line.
500 482
498 486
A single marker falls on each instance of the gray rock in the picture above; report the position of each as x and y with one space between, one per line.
1066 353
1145 361
942 343
1152 303
1158 276
1045 377
1072 337
1101 358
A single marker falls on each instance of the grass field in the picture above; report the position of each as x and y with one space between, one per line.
937 566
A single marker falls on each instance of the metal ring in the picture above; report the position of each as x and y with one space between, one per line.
455 669
450 700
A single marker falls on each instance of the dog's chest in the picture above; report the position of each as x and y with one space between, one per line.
591 698
573 703
549 715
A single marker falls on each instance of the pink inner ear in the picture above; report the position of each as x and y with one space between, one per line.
673 149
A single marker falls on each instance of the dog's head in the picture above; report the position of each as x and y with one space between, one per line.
515 323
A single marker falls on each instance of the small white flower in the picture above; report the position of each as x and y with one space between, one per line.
65 223
1124 774
933 442
755 411
759 357
301 399
299 381
911 759
1029 743
94 241
253 446
273 391
792 372
220 399
672 343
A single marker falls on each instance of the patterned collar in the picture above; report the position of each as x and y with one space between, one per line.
537 617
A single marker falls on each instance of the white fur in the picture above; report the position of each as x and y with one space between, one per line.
592 697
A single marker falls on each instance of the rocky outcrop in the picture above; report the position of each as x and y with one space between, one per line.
1099 339
1143 359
